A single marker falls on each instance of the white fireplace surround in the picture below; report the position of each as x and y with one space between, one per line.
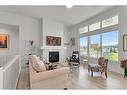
47 49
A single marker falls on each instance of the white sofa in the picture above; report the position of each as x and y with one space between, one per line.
49 79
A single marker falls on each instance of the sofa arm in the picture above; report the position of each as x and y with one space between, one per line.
50 74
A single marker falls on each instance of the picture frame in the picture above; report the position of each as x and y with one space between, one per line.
72 41
124 42
53 41
4 41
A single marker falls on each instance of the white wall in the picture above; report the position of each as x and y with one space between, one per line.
123 30
115 67
66 39
75 34
29 28
52 28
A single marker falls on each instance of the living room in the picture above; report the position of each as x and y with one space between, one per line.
67 43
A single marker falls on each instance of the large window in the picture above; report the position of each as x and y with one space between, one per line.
83 46
110 21
110 45
83 30
94 46
97 42
95 26
114 20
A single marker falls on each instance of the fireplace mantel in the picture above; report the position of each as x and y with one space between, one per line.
52 47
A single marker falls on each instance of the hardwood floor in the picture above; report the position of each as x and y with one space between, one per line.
23 82
81 79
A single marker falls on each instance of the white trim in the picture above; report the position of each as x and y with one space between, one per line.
1 78
52 47
17 80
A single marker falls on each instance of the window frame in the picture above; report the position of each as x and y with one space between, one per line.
99 35
87 45
118 43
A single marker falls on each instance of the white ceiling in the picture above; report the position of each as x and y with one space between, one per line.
70 16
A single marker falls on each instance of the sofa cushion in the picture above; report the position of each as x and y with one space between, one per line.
38 65
42 65
50 74
47 66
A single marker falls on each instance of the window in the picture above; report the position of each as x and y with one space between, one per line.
110 45
95 46
100 44
95 26
83 30
105 23
110 21
83 46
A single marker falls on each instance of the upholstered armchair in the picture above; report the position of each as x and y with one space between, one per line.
101 66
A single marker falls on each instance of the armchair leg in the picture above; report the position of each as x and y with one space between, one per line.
65 89
91 74
106 74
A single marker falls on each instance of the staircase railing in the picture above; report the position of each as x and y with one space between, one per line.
4 59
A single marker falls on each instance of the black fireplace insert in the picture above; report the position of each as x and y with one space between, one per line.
54 56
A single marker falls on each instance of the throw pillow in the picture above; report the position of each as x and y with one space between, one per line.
42 66
76 56
47 65
38 65
73 56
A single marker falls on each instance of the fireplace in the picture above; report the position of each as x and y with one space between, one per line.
54 56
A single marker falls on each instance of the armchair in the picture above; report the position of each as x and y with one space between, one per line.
100 67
